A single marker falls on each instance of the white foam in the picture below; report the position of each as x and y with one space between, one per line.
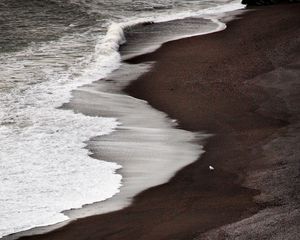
45 169
44 166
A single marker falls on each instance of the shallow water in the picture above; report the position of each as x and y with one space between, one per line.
48 49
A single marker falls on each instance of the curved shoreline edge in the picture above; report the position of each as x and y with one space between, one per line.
246 80
273 116
108 92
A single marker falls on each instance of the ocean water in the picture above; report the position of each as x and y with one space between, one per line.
47 49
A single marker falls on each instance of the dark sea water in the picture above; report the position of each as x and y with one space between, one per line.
47 49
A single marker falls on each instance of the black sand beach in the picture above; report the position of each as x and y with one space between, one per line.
242 85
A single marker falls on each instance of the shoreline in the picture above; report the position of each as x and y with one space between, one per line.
180 203
117 146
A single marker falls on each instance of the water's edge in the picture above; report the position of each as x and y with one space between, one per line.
145 135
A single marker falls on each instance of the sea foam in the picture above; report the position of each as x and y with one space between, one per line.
44 165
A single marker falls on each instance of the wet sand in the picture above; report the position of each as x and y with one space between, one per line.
240 85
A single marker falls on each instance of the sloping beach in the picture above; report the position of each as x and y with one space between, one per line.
240 85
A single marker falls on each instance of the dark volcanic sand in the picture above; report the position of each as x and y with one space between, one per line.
241 85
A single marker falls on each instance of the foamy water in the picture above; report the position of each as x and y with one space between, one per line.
45 168
44 165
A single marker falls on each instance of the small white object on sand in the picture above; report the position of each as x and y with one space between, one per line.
211 168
